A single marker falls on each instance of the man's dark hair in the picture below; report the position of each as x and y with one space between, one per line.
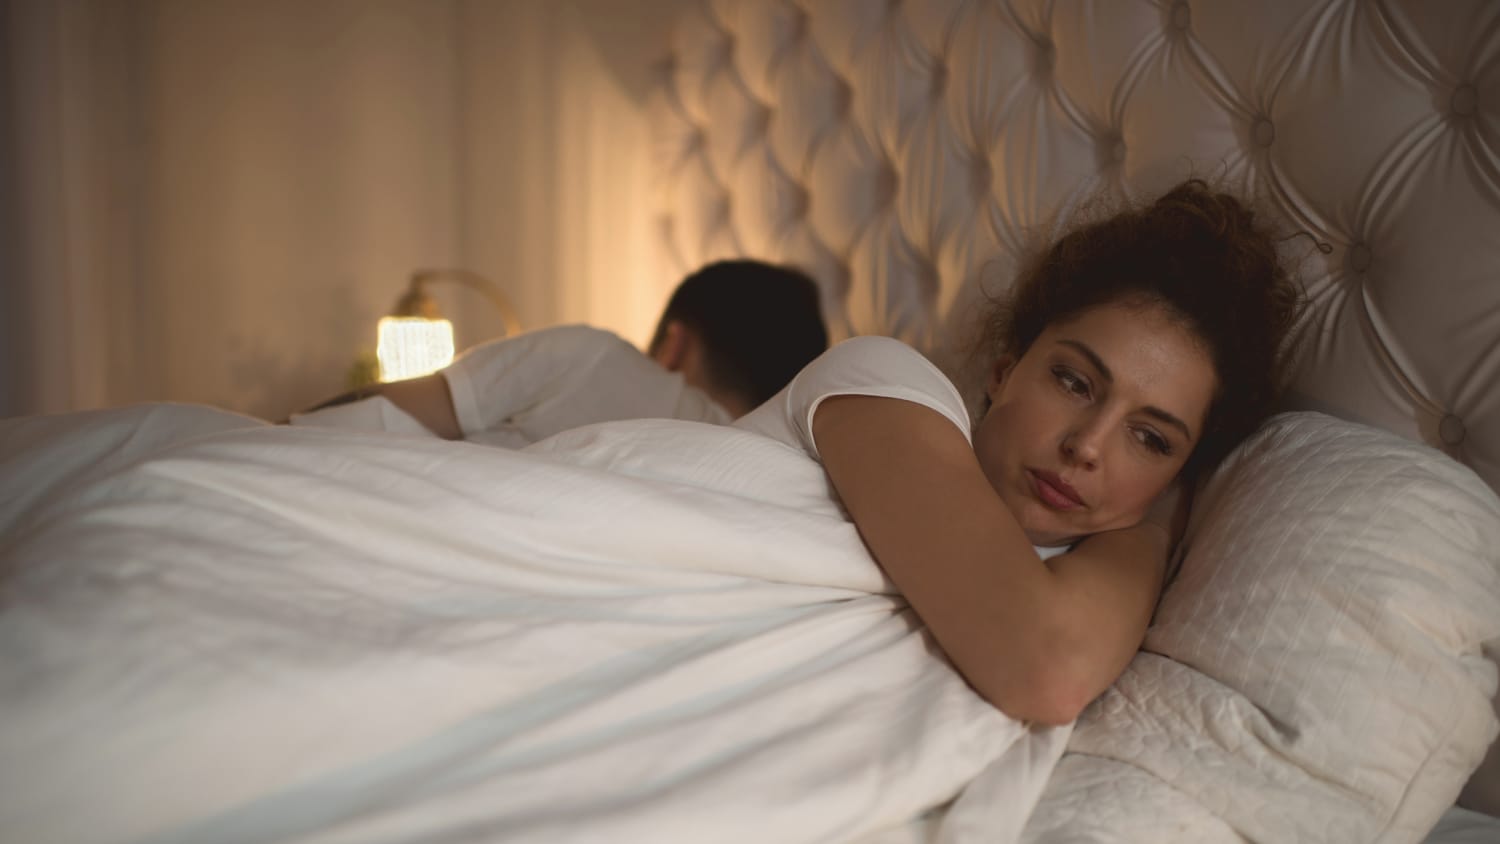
758 324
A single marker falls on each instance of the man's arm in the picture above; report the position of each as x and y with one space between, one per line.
426 399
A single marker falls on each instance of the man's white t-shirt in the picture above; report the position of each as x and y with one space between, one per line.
515 391
862 366
518 390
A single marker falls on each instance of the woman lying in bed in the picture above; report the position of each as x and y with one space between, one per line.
1137 351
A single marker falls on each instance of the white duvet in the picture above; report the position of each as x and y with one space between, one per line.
216 630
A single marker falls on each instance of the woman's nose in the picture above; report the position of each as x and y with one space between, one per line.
1081 445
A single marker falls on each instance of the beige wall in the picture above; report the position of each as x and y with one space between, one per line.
216 200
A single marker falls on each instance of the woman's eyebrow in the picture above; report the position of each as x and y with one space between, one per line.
1098 362
1109 378
1168 419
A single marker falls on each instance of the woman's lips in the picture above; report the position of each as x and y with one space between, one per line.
1054 491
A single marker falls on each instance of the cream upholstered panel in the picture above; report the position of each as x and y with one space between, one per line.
905 152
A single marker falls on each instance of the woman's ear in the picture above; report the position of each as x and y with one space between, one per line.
671 351
998 375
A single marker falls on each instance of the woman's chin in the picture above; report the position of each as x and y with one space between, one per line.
1044 527
1052 535
1049 538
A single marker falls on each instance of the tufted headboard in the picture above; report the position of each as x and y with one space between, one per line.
905 153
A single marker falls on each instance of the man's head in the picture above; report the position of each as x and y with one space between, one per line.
739 330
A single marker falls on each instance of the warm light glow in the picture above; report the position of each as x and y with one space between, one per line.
410 347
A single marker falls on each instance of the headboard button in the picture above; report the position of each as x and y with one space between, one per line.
798 26
1263 132
981 177
1465 100
939 80
843 95
1044 56
1451 429
760 120
1110 148
800 199
1358 258
885 185
1182 15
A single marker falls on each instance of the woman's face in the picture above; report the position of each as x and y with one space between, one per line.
1094 420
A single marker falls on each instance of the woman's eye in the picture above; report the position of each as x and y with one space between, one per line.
1154 441
1071 381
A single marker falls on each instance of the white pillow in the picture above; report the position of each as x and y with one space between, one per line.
1316 670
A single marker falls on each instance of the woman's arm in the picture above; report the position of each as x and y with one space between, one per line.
1038 640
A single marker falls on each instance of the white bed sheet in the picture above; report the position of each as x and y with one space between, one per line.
212 629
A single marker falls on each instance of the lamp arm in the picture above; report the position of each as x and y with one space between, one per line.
476 282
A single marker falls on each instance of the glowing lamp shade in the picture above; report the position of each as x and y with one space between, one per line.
415 340
411 346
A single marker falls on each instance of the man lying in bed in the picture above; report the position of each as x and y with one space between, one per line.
732 335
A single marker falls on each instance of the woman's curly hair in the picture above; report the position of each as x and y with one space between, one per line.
1207 259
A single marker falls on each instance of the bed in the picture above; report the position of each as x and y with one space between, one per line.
214 629
908 153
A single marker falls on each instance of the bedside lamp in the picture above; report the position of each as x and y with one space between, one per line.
415 340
